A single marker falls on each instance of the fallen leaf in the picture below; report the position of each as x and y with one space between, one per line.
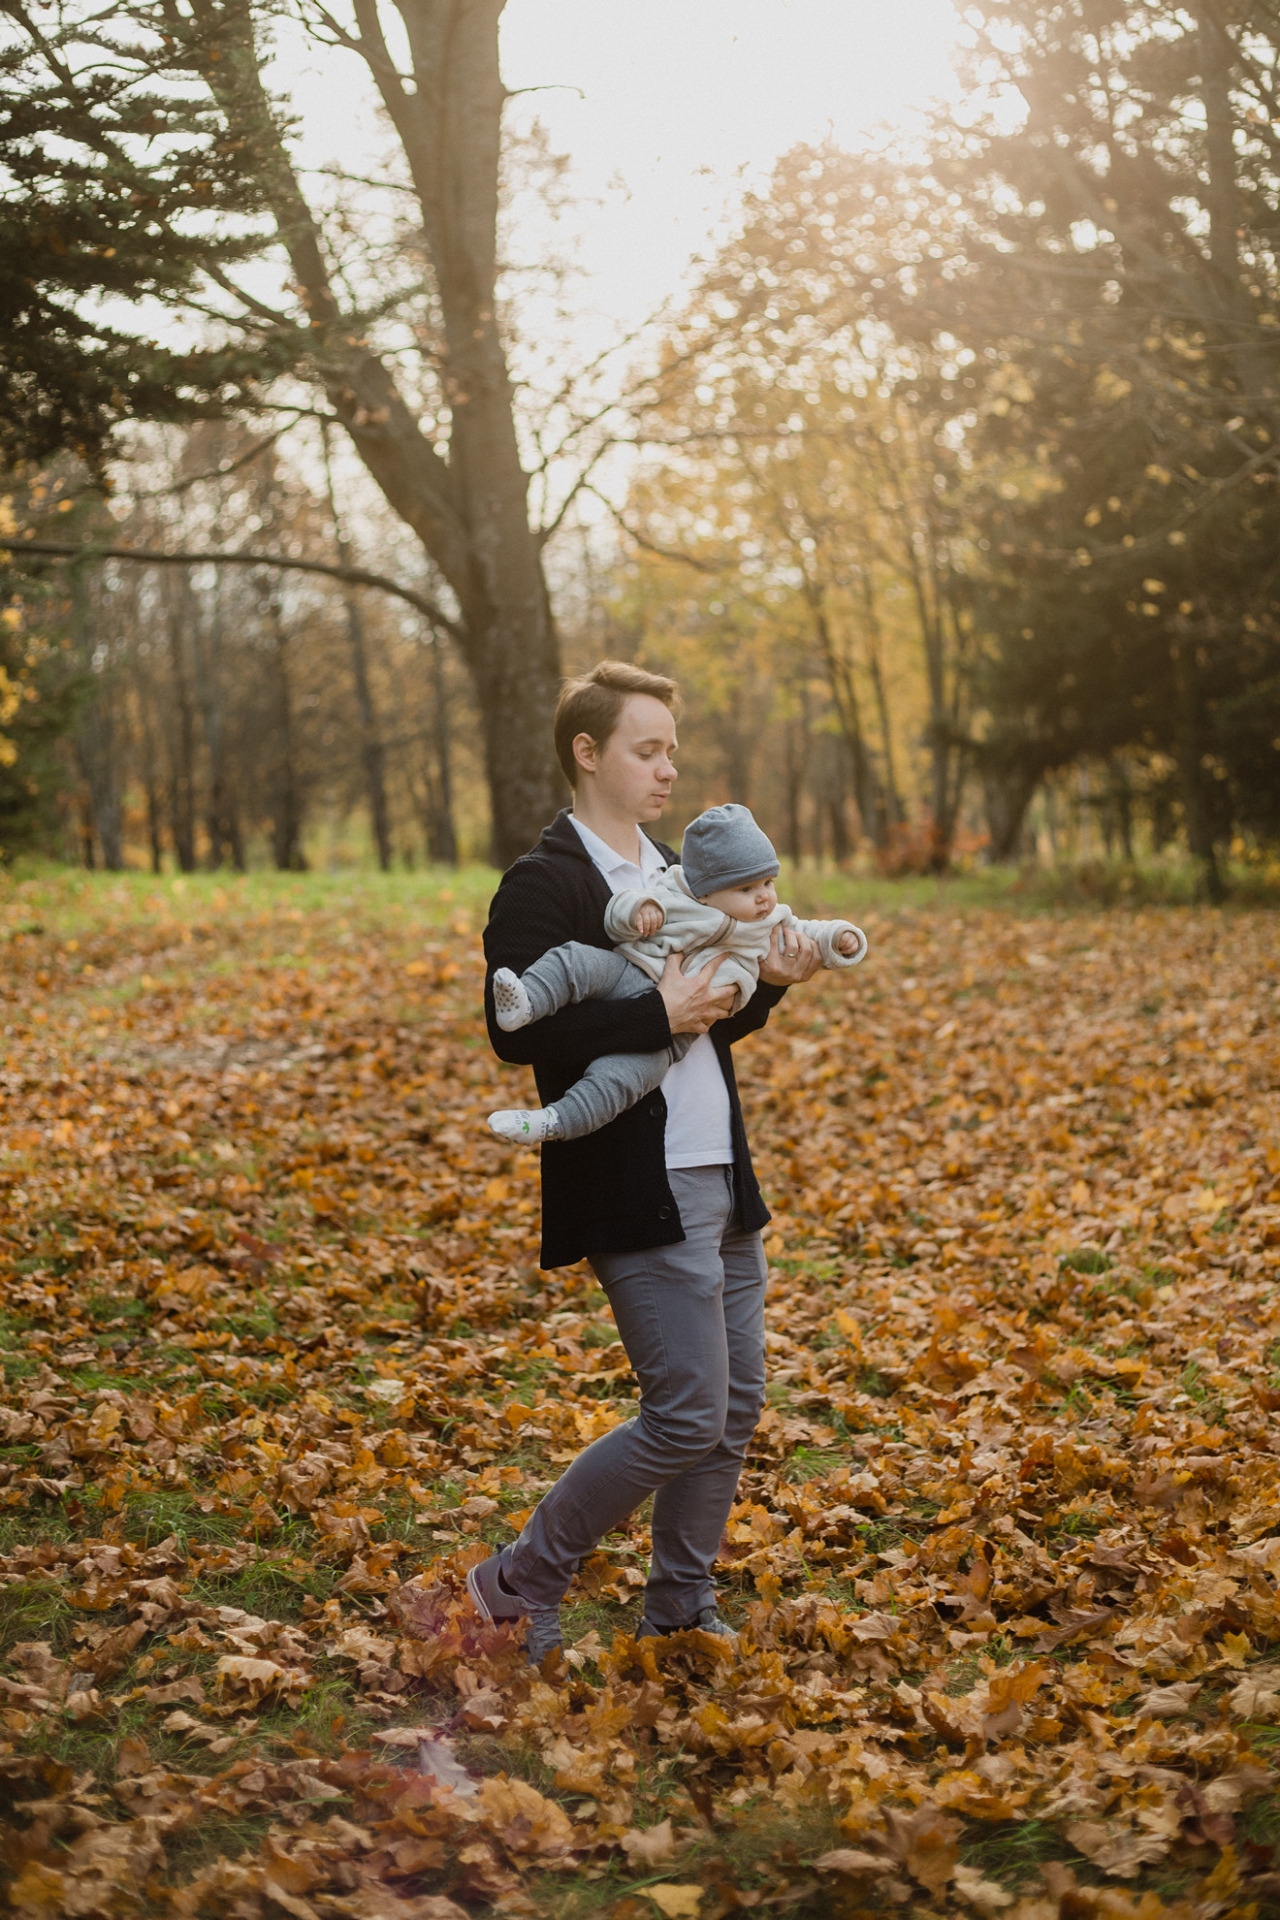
1257 1697
925 1842
849 1860
649 1847
988 1896
245 1681
523 1819
1166 1702
1007 1695
132 1756
1117 1849
676 1902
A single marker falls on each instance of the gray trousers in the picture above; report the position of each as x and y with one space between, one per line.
691 1317
615 1081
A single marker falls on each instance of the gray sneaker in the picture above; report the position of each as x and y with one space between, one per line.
494 1602
709 1620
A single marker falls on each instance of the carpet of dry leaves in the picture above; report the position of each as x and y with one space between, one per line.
280 1365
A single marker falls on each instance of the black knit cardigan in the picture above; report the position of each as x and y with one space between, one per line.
608 1192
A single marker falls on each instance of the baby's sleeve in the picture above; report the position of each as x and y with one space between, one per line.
827 934
620 914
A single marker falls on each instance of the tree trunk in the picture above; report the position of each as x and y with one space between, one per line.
840 848
1051 819
1121 803
96 742
1084 814
222 824
150 777
794 775
373 758
1007 793
1252 361
938 728
469 508
867 792
372 752
1188 753
88 851
181 742
284 790
893 798
96 750
442 838
735 748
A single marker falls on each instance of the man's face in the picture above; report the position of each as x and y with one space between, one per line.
633 772
754 900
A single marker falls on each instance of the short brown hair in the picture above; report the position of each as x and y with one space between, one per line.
593 705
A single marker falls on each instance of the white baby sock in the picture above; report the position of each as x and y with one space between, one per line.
511 1003
527 1124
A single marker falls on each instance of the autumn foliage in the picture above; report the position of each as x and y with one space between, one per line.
280 1364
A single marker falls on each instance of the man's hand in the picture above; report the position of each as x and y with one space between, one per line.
792 958
692 1003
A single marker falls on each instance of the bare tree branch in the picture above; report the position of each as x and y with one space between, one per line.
651 546
222 472
350 576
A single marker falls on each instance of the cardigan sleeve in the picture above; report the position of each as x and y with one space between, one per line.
528 918
751 1018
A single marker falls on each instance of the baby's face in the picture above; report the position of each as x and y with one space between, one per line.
754 900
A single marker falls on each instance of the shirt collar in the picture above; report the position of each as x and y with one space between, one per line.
608 859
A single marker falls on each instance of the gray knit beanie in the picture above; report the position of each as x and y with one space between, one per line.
722 848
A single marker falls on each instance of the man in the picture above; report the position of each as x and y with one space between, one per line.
663 1201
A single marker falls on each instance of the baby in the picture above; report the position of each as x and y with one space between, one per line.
720 903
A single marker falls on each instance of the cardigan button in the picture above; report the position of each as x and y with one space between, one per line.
655 1110
664 1213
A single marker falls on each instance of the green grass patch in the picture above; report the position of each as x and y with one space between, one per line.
813 1463
153 1516
104 1307
1086 1260
49 900
274 1589
36 1610
1260 1820
1014 1852
328 1719
871 1381
213 1837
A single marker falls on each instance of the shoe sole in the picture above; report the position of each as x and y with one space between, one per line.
487 1614
481 1604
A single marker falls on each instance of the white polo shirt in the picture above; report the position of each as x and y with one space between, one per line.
698 1133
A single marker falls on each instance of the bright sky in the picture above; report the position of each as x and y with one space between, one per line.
685 100
669 107
668 110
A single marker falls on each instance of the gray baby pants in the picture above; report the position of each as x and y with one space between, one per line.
615 1081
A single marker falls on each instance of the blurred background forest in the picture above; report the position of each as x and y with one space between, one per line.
948 489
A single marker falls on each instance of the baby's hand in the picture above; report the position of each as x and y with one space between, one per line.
848 942
649 919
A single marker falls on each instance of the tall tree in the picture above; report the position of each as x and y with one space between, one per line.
373 756
812 451
419 378
1120 279
117 185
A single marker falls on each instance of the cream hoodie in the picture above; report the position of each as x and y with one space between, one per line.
702 933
